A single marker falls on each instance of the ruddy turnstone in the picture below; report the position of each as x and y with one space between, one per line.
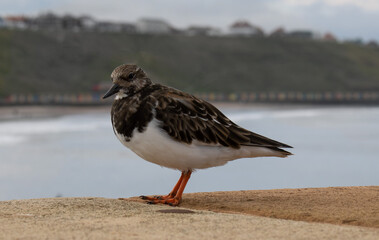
177 130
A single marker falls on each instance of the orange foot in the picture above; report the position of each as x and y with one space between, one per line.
172 201
175 196
156 197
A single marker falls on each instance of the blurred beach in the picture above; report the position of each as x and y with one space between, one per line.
72 151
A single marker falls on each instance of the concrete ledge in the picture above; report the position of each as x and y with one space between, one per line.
99 218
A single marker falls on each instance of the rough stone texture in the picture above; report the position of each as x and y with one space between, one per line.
338 205
98 218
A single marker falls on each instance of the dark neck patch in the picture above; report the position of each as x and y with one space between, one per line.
134 111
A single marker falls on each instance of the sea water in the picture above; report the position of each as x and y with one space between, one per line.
79 156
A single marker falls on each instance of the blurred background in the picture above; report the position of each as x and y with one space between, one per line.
305 73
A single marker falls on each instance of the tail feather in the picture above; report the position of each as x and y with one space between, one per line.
283 152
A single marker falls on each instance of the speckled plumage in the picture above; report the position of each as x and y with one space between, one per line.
177 130
183 117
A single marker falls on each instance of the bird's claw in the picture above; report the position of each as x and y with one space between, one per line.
173 201
154 198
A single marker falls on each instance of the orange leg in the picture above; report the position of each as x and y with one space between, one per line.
170 195
175 196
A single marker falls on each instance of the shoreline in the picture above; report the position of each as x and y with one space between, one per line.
9 113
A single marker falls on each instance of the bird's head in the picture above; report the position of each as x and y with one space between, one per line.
127 80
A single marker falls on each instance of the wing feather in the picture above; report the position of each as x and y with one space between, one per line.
187 118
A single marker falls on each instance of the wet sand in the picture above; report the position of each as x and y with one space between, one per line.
99 218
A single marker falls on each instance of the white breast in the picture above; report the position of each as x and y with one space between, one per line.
156 146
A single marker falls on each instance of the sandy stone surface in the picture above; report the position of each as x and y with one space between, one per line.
99 218
338 205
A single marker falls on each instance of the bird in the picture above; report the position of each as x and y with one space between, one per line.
178 130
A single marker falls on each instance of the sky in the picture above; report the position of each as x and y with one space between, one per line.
346 19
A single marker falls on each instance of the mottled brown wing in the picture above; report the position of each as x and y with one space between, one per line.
187 118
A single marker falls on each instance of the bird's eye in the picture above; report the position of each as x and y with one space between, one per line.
128 78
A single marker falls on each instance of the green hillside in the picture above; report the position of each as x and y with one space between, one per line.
60 62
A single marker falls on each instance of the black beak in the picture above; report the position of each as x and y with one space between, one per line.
114 89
